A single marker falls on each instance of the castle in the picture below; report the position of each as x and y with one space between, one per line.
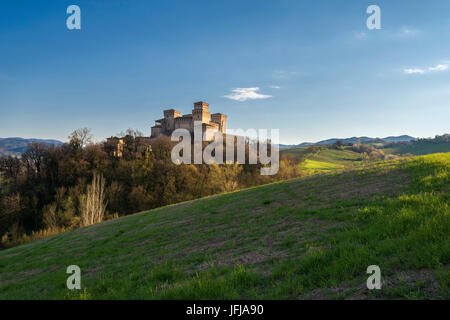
173 120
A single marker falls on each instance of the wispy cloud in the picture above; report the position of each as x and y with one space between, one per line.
275 87
437 68
403 33
407 32
361 35
244 94
414 71
284 74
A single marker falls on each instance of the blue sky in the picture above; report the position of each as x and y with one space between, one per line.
320 72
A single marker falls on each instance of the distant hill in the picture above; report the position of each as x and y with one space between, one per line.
399 138
419 146
16 146
351 140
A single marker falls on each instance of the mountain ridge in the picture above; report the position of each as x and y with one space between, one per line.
15 146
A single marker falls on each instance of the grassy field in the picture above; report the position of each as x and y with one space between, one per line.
308 238
313 166
300 151
344 157
325 159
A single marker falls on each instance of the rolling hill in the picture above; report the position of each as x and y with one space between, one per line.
351 140
307 238
324 159
16 146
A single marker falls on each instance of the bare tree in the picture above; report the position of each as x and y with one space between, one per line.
80 138
34 155
50 217
94 205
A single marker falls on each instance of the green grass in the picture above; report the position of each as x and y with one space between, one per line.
313 166
312 237
299 151
343 156
325 159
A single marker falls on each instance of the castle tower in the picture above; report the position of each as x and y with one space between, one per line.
201 112
221 120
169 116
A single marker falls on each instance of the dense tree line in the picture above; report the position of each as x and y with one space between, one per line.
445 138
46 190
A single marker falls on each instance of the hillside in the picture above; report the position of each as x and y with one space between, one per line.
365 140
305 238
324 159
331 159
321 158
16 146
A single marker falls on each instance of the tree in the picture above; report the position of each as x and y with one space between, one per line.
10 166
80 138
338 144
34 156
94 204
365 158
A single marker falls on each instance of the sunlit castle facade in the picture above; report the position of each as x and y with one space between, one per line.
173 120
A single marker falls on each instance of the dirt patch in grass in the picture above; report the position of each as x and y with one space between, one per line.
23 275
253 250
346 187
32 272
6 282
233 258
90 273
10 255
414 284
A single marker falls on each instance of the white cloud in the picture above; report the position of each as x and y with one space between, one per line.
414 71
275 87
439 67
244 94
361 35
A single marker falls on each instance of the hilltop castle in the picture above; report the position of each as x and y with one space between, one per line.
173 120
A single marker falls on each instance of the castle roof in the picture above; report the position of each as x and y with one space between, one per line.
211 124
